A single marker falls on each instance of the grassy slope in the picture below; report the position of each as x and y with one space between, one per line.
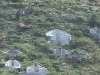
43 17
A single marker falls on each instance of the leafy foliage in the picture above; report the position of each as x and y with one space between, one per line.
74 16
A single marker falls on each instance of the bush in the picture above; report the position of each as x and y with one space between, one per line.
21 57
7 57
2 23
94 20
52 73
2 65
82 43
14 71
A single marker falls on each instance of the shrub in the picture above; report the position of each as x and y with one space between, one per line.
2 23
94 20
20 57
82 43
52 73
2 65
14 71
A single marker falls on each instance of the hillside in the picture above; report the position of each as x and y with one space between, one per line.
26 31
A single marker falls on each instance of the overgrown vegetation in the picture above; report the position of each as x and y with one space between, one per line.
74 16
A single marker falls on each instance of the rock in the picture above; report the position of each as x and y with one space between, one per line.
71 19
13 16
23 27
33 3
82 8
75 19
85 9
1 10
71 24
10 22
94 8
69 10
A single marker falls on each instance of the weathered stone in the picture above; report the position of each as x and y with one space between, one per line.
10 22
75 19
69 10
94 8
85 9
23 27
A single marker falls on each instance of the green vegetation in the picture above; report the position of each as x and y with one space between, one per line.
74 16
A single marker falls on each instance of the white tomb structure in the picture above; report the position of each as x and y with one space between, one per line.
58 37
95 31
36 69
12 64
59 51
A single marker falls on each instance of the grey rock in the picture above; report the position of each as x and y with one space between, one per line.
94 8
69 10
